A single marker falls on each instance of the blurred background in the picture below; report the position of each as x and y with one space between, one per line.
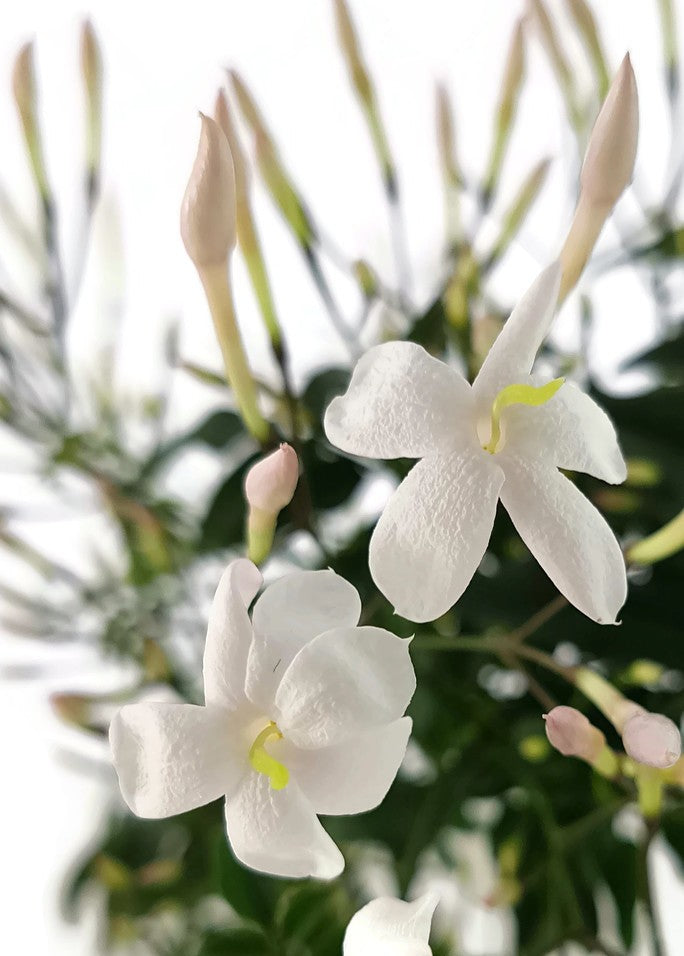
120 457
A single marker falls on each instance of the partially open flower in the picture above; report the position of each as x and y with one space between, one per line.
389 927
303 715
652 739
506 437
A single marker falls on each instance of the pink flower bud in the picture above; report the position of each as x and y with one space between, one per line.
208 209
271 482
652 739
571 733
609 161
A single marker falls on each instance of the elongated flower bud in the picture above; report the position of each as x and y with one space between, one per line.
510 90
209 234
208 209
572 734
91 70
652 739
606 172
24 89
609 162
224 119
269 487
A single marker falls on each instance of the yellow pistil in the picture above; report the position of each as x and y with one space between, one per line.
532 395
264 763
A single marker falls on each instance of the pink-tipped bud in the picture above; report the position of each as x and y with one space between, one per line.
571 733
271 482
208 209
609 161
652 739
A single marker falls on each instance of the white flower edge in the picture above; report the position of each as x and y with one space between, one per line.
391 927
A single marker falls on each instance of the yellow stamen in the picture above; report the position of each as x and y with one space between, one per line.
264 763
531 395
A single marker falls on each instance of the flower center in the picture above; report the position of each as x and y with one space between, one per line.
264 763
531 395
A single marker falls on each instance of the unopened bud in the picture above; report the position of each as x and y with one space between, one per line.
208 209
609 161
607 171
224 118
271 482
24 89
269 487
571 733
91 70
652 739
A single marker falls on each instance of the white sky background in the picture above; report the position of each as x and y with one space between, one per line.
163 63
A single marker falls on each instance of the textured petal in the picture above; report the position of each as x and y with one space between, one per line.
570 431
229 635
513 353
434 531
277 831
344 683
567 535
289 614
351 777
173 757
388 920
401 403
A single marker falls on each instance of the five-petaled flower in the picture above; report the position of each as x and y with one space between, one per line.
505 437
303 715
389 927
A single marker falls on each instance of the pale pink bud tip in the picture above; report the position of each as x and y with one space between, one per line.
571 733
271 482
653 740
208 209
611 153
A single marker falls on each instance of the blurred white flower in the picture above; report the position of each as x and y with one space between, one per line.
388 927
303 715
504 437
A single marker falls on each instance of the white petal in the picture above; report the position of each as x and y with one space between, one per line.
277 831
384 920
342 684
513 353
434 531
174 757
289 614
229 635
401 403
567 535
351 777
570 431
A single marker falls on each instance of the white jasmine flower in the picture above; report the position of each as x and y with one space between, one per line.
505 437
388 927
303 715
